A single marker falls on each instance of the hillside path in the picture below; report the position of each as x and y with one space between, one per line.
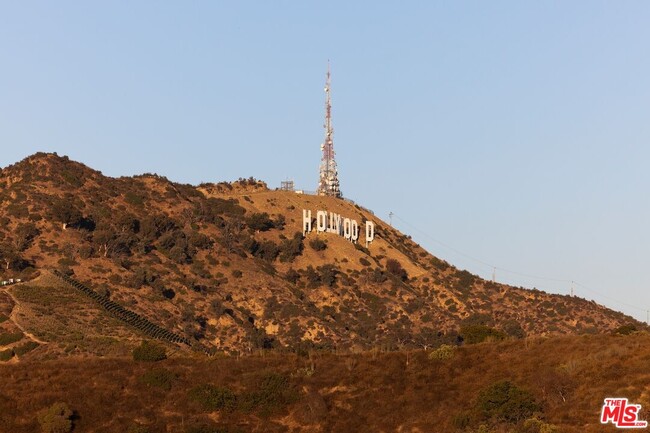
14 316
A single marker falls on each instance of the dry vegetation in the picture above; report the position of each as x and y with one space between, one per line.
556 385
224 266
303 332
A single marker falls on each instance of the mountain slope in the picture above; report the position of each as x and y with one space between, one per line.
567 378
226 265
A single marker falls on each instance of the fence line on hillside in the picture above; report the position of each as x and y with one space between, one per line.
127 316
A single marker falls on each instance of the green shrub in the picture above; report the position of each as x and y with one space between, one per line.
267 250
445 351
24 348
292 276
66 261
6 355
149 352
6 339
473 334
514 329
327 275
55 419
259 222
3 318
273 393
626 329
317 244
133 199
159 378
213 397
504 401
535 425
394 268
291 248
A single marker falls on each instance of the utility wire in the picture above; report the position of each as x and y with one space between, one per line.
521 274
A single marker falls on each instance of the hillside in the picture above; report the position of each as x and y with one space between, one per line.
226 267
559 384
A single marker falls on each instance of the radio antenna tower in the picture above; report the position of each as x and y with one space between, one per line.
328 183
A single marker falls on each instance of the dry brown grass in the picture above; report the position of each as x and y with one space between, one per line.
568 376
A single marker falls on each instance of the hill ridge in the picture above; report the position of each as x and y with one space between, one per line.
228 267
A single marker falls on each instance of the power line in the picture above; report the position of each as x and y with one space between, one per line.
521 274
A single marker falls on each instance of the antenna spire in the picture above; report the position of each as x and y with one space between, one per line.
328 183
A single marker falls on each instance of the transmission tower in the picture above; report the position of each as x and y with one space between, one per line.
328 183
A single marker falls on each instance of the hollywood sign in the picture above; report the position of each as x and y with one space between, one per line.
330 222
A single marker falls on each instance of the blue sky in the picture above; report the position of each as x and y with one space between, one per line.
515 132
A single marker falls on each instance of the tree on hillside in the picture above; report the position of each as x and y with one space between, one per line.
112 243
155 225
259 222
394 268
291 248
230 235
24 235
66 213
127 223
11 258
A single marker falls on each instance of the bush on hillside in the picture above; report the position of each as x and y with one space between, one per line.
267 250
259 222
318 244
159 378
504 401
291 248
473 334
626 329
25 348
394 268
535 425
273 393
328 275
6 339
445 351
56 418
514 329
212 397
292 276
149 352
6 355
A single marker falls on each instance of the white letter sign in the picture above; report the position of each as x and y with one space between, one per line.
370 232
306 221
321 221
354 231
347 228
330 222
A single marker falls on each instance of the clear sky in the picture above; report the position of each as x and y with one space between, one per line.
515 132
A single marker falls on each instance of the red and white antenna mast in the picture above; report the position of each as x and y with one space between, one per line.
328 183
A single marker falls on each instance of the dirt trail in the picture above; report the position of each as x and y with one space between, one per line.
14 316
